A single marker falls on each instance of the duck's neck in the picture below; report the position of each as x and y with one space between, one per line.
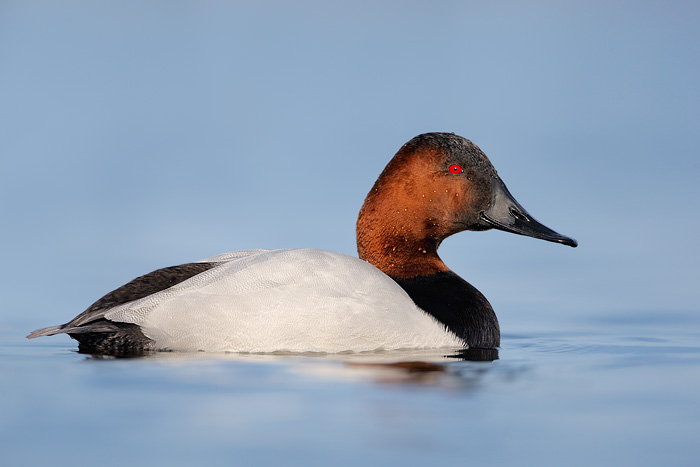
405 248
399 243
402 223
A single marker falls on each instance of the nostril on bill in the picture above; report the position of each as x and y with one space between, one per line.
518 215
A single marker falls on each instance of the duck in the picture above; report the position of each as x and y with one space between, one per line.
397 294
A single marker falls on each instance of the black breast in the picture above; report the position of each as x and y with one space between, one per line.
458 305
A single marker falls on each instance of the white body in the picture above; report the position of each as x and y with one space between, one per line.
285 300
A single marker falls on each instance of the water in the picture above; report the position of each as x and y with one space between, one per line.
627 395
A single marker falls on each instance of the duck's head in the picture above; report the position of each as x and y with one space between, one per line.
438 184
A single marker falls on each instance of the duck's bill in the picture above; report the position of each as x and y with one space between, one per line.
505 213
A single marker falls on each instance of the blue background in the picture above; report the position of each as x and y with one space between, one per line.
137 135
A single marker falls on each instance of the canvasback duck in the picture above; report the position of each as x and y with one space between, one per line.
398 294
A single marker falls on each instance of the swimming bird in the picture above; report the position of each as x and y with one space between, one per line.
397 294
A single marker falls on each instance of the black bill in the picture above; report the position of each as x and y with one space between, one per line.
505 213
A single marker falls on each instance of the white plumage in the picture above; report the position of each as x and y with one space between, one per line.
302 300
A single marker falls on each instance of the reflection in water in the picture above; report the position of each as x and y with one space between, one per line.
450 368
431 372
408 367
622 389
128 353
475 355
402 372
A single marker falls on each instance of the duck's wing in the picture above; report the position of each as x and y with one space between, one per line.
93 319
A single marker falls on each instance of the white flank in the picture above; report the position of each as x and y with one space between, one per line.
285 300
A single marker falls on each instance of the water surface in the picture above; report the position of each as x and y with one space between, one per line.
614 391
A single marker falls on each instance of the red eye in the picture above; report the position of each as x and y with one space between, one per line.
455 169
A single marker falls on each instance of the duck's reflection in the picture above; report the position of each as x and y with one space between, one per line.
428 372
475 355
458 368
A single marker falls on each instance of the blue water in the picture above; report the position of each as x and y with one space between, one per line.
610 392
